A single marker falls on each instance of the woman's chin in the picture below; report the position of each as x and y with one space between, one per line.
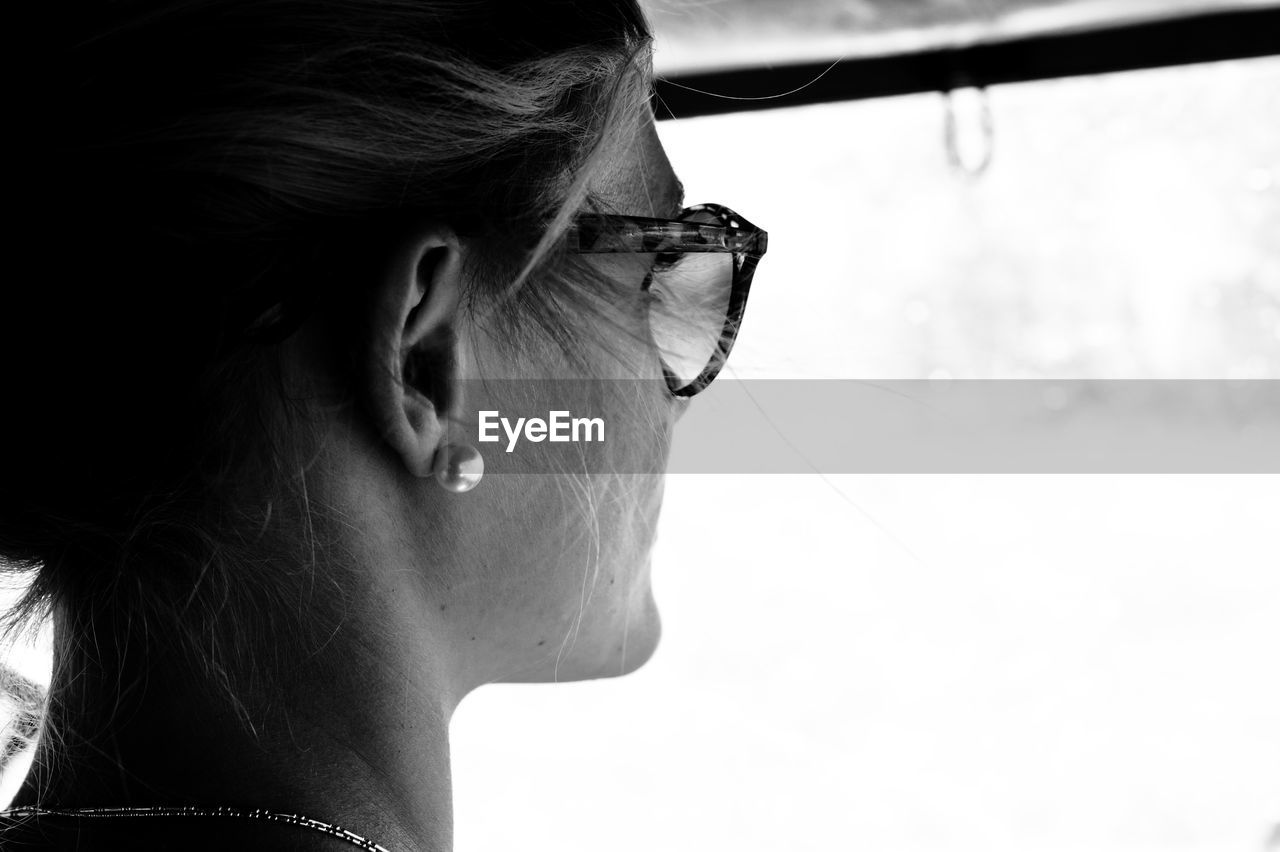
626 646
641 641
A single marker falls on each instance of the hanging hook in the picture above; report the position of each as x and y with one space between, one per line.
969 132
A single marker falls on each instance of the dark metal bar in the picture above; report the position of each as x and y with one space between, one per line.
1200 38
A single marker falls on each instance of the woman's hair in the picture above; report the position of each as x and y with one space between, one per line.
204 174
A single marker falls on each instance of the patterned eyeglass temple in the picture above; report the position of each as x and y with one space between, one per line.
594 233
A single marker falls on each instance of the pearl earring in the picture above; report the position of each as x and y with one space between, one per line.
458 467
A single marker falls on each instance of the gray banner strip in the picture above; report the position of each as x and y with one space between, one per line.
958 426
899 426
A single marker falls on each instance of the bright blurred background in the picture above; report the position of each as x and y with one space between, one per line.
932 662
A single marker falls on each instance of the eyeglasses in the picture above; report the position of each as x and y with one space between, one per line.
697 286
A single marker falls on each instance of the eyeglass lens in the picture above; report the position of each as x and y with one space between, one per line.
690 296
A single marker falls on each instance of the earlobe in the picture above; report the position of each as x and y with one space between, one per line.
413 355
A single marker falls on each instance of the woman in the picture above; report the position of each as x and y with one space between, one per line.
288 253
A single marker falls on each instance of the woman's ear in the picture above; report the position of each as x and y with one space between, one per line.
411 364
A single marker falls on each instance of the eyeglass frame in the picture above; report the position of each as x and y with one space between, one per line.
599 233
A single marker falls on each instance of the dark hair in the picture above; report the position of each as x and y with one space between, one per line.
208 171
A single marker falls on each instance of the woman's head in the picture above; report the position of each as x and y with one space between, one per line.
281 243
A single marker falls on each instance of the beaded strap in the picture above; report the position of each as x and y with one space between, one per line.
259 813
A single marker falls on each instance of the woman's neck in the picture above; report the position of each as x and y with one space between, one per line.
354 736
